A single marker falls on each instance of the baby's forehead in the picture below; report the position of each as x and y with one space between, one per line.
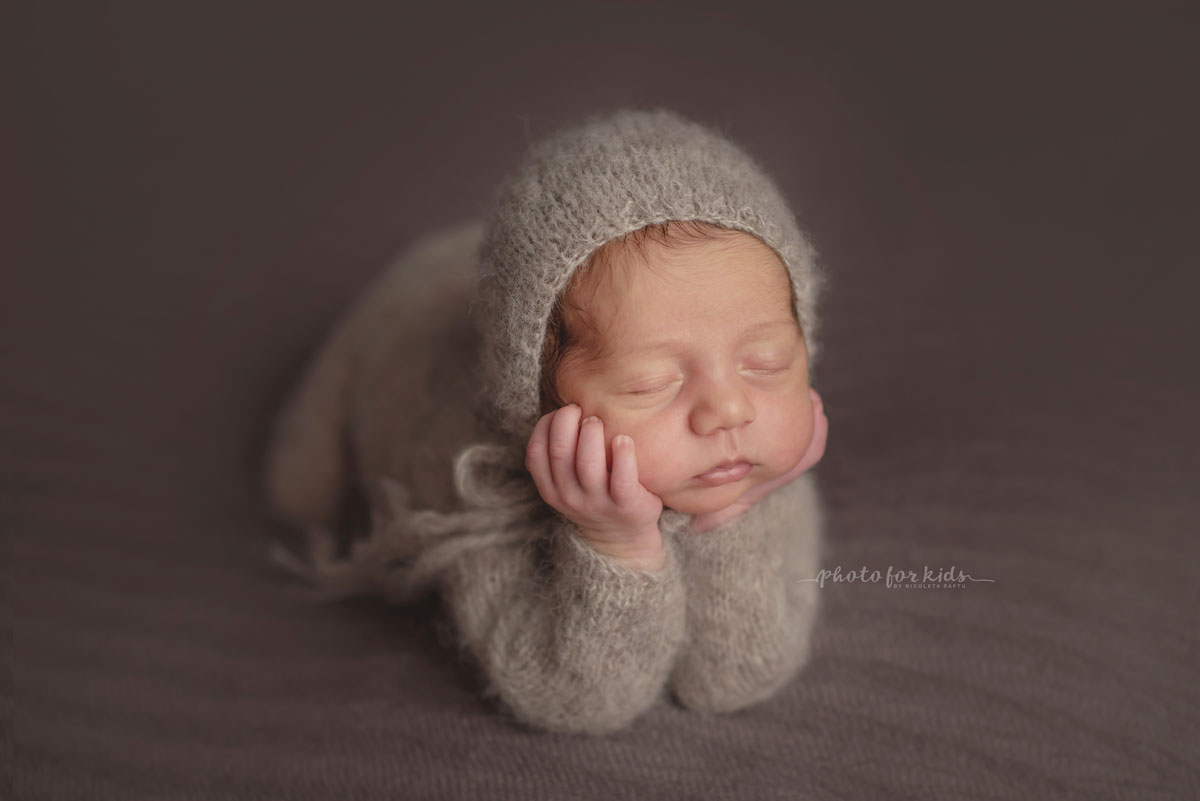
660 279
638 330
711 269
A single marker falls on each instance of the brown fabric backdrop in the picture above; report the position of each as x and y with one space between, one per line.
1006 202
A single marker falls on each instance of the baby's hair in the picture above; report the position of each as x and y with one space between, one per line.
572 333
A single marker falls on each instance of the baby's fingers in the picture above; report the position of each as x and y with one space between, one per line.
537 459
564 439
590 463
820 421
624 484
816 446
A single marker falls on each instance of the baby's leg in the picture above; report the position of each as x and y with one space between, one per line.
385 392
307 463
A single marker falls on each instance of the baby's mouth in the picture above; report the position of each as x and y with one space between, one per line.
725 473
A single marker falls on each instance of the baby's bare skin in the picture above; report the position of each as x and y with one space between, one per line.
616 514
812 455
702 365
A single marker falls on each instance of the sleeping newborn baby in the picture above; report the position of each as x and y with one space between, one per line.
681 351
587 424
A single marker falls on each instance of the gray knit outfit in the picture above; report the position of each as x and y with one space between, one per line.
427 391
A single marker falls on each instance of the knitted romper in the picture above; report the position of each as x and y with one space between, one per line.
426 391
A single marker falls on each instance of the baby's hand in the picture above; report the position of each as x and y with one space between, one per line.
615 514
812 455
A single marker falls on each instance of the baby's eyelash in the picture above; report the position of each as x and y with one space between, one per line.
665 387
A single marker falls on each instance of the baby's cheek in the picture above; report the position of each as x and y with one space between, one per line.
789 436
653 469
653 459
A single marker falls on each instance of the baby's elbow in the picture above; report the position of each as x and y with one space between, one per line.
721 687
586 710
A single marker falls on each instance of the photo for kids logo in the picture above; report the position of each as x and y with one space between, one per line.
928 578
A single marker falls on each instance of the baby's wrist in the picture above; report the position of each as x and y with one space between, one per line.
642 551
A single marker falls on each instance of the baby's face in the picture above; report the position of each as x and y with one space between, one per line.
706 366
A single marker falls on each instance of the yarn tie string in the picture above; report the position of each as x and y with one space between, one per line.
407 549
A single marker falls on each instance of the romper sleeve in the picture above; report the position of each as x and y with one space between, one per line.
750 615
576 642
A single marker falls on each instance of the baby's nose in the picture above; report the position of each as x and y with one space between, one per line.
724 408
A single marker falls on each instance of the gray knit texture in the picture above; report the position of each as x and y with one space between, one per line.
596 181
569 639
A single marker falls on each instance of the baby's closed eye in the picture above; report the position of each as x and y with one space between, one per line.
657 387
652 387
769 370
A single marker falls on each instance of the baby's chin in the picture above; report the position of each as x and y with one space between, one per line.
705 500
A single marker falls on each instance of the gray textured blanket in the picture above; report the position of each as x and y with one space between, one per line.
1008 214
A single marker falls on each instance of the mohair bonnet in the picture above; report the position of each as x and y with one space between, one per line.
594 182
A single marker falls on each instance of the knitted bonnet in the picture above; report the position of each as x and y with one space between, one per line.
594 182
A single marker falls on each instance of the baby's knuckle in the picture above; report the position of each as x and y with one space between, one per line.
590 465
621 484
560 451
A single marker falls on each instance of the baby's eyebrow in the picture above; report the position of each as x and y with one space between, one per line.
745 333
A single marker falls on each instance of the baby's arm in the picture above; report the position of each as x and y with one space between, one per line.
588 644
750 618
585 646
